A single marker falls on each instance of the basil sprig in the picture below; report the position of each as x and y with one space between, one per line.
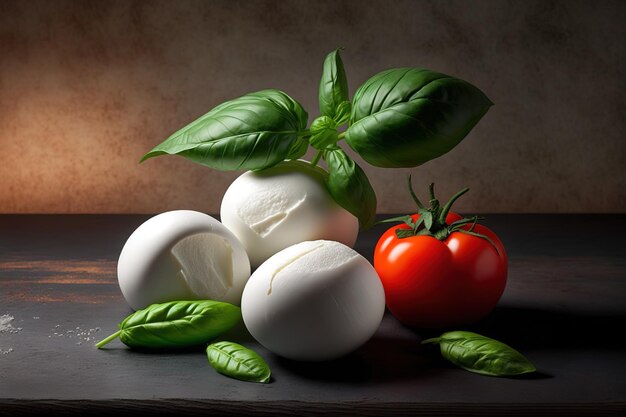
401 117
176 324
481 354
236 361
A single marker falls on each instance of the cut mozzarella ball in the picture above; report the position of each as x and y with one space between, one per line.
287 204
182 255
313 301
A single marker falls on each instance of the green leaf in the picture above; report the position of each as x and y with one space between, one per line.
333 88
323 133
254 131
405 117
176 324
298 149
343 112
349 187
482 355
236 361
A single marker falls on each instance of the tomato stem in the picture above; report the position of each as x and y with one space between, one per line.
448 206
432 220
413 195
431 191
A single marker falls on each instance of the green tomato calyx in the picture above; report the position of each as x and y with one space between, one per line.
432 219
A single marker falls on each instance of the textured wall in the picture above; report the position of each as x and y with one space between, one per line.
87 87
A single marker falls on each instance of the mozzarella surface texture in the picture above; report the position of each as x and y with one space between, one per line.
182 255
313 301
287 204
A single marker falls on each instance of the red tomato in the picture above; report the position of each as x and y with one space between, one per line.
432 283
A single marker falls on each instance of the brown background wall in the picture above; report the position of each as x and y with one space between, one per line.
87 87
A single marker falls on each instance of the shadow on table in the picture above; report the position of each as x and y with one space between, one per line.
382 358
386 357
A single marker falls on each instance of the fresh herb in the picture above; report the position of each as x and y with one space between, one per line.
255 131
404 117
482 355
236 361
401 117
176 324
348 185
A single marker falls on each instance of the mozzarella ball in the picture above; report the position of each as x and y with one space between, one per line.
182 255
272 209
313 301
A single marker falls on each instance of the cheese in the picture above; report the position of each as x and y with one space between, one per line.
275 208
313 301
182 255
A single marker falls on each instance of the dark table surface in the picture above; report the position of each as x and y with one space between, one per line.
564 308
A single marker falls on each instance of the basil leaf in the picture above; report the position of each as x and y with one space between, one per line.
343 112
236 361
254 131
482 355
349 187
323 132
404 117
176 324
333 87
298 149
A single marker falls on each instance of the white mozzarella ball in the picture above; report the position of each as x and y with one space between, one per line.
287 204
313 301
182 255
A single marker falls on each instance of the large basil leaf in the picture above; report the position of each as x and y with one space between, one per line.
333 94
404 117
236 361
176 324
349 186
480 354
254 131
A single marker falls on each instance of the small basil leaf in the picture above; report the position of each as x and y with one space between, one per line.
254 131
333 87
324 139
404 117
236 361
176 324
298 149
349 187
343 112
482 355
323 133
322 123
